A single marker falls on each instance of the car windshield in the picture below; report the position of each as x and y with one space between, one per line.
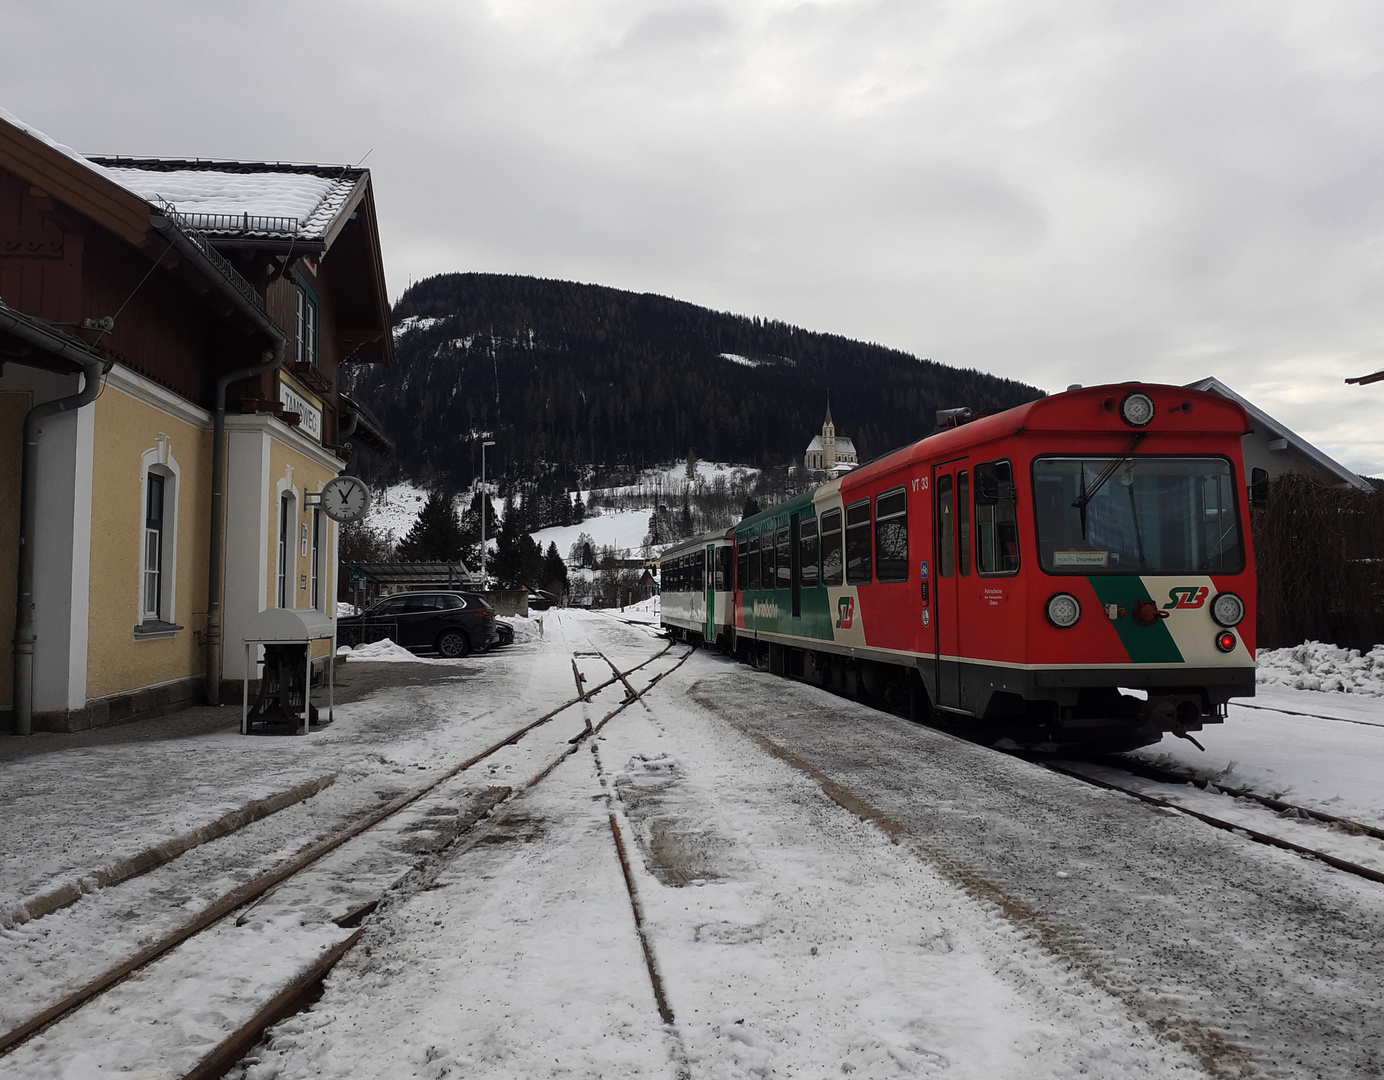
1137 515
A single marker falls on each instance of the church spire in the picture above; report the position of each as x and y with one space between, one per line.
828 419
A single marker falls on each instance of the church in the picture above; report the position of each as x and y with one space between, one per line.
828 452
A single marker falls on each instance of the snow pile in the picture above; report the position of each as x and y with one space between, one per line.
1314 665
526 629
382 651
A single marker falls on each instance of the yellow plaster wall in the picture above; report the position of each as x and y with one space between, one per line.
125 428
308 475
12 410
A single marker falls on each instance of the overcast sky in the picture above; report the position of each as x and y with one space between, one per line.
1057 192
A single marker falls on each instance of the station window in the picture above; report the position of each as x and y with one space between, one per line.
754 562
831 548
783 573
307 324
283 578
742 563
151 605
997 529
316 565
858 567
808 547
946 534
891 536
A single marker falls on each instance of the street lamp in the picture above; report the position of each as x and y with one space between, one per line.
484 500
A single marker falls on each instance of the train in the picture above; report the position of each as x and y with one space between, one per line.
1077 570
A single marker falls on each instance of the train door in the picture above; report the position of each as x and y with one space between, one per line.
946 586
713 569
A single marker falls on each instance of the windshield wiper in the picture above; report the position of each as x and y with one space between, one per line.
1088 494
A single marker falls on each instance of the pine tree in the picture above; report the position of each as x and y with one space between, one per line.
554 571
436 536
751 507
578 510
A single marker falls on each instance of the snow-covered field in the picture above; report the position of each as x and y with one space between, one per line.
395 510
968 915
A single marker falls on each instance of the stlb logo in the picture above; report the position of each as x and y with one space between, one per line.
845 612
1186 596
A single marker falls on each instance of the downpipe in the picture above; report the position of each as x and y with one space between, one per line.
93 369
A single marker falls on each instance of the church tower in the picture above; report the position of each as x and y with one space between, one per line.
828 439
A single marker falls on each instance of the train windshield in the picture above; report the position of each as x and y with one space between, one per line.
1137 515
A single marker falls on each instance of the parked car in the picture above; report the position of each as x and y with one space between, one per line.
506 631
451 623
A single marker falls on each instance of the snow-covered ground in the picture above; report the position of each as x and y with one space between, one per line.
1329 668
946 923
624 529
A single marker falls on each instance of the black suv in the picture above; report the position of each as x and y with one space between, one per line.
452 623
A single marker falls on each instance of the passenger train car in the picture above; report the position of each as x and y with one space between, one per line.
1075 569
696 588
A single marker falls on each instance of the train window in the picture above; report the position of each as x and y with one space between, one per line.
754 562
946 538
783 572
891 536
699 572
766 558
723 570
831 548
997 529
1137 515
808 547
858 543
963 523
742 563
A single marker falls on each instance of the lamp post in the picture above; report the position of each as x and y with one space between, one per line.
484 500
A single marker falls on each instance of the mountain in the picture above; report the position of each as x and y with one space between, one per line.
566 377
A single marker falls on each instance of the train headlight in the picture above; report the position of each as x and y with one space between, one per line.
1137 409
1225 641
1063 610
1227 609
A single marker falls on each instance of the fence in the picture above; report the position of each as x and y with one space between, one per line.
1319 553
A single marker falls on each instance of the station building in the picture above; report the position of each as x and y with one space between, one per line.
159 318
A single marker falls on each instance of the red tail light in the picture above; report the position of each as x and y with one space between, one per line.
484 613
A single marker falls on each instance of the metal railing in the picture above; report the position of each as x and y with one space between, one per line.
213 256
244 223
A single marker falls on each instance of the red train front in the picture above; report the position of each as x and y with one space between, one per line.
1022 573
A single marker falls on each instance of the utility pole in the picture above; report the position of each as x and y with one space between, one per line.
484 499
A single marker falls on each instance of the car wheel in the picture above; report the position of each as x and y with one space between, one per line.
453 644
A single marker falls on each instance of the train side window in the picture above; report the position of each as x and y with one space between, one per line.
754 562
858 543
742 563
783 572
963 523
997 529
808 548
831 548
723 569
766 558
699 564
946 538
891 536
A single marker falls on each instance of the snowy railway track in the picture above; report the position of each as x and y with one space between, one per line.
302 982
1262 818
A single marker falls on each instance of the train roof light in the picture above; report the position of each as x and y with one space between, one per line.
1063 610
1137 409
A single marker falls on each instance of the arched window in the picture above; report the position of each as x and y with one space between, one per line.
155 609
284 575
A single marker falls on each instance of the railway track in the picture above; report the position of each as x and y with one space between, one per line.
25 1047
1312 715
1265 819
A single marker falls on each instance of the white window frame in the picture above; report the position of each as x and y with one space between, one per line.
286 553
159 459
308 323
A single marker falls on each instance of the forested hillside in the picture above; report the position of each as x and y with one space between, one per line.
566 377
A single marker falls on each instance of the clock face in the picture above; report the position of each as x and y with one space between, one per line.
345 498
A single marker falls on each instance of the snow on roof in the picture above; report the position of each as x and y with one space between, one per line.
244 198
815 444
220 197
844 445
